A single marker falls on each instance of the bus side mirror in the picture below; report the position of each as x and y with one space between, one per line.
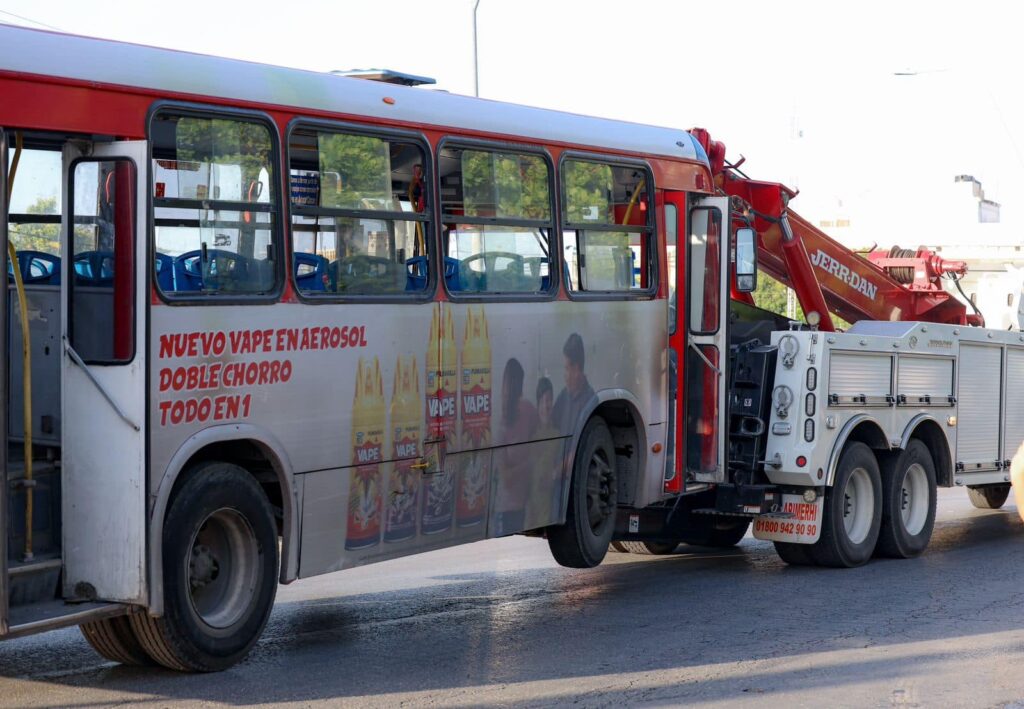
746 260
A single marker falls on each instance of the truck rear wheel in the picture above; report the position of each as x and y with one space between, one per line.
114 639
853 511
583 540
220 572
988 497
794 554
908 503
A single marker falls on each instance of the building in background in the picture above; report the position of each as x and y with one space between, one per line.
960 224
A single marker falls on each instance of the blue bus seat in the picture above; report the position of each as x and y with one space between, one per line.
164 265
36 267
311 272
94 268
452 275
188 269
416 274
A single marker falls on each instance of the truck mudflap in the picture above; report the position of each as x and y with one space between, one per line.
797 521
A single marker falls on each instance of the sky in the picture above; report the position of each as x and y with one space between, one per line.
806 91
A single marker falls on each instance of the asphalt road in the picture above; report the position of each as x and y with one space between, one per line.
498 623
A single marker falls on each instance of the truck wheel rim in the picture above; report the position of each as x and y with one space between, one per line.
858 504
600 490
223 568
914 499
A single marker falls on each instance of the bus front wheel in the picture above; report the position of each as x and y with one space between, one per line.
220 572
583 540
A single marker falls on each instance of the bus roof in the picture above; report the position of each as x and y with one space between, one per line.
55 54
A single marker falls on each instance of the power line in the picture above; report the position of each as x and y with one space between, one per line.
29 19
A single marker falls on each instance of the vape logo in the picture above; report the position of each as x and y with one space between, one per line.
442 406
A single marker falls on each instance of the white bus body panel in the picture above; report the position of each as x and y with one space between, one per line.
892 376
311 415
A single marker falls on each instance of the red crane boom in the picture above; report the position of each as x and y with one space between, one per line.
826 276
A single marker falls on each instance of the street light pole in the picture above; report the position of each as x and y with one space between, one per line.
476 63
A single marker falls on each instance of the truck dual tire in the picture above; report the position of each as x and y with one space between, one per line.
794 554
583 540
853 511
988 497
908 503
220 562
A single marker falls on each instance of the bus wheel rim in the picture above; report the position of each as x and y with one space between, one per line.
600 495
223 569
914 499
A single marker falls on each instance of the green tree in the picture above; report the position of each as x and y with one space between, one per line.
38 237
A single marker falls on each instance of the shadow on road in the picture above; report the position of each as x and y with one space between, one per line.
694 609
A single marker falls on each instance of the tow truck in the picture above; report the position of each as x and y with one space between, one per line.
838 439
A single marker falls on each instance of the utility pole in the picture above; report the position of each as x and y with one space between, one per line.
476 62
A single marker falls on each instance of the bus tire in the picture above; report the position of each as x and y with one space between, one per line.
719 532
853 511
583 540
620 547
651 548
908 503
794 554
220 572
988 497
114 639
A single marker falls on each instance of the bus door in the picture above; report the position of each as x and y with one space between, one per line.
103 372
3 386
702 340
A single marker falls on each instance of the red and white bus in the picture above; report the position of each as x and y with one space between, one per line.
284 323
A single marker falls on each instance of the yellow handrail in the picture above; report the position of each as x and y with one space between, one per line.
26 358
632 201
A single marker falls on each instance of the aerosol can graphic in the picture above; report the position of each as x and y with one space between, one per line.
475 414
407 446
442 381
369 429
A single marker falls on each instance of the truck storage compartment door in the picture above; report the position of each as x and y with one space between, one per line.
1013 421
977 438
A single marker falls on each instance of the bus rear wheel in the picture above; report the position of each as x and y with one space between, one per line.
988 497
583 540
853 511
654 548
220 572
114 639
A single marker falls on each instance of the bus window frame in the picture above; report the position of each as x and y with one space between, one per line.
554 242
653 262
69 298
429 214
202 110
724 270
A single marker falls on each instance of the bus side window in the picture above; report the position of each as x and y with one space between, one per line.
498 220
607 226
215 205
101 306
360 217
